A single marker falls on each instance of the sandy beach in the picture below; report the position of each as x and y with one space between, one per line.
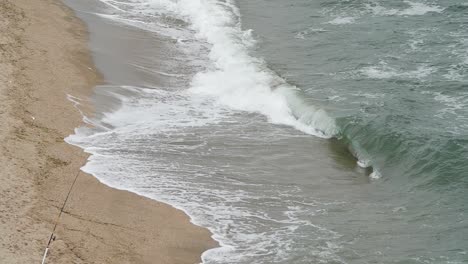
44 58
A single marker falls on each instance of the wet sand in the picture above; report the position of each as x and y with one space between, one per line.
44 58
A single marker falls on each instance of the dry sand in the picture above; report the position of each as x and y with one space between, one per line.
44 57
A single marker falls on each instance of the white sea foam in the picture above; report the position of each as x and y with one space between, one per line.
453 104
375 175
364 163
455 74
414 9
342 21
241 81
417 9
336 98
384 71
166 119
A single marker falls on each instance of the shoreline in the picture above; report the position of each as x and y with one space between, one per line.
45 57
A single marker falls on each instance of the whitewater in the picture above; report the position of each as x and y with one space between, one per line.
296 133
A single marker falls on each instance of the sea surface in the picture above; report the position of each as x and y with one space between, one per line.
300 131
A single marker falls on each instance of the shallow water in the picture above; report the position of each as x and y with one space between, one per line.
297 132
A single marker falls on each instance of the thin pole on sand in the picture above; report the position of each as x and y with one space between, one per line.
52 236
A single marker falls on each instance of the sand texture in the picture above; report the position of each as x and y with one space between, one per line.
43 58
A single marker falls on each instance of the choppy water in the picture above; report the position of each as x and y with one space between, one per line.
253 116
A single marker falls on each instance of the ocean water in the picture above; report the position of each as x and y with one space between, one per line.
296 131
